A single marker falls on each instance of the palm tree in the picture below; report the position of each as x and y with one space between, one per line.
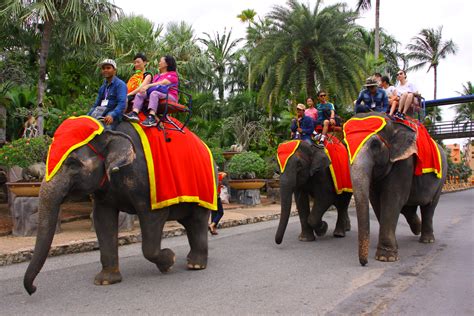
221 51
306 49
366 5
248 16
87 20
428 48
465 112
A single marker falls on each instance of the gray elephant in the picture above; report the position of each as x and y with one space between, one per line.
118 156
307 174
383 172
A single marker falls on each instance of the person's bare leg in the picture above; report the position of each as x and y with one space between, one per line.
393 106
403 98
408 102
325 127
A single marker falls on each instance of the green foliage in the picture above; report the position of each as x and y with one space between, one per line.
218 157
459 170
24 152
247 165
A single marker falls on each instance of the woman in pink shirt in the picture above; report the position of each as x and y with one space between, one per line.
158 89
311 110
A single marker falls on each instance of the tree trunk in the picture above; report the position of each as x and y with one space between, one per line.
435 80
43 57
377 29
310 81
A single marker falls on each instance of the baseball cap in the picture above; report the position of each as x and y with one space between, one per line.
370 82
108 62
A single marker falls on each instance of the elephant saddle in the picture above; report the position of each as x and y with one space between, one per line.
179 170
73 133
339 167
428 155
285 151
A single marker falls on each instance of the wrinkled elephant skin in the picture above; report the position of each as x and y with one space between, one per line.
122 161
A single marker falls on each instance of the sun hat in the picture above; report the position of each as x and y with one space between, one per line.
110 62
301 106
370 82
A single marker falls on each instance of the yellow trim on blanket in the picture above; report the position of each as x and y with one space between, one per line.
152 183
333 176
282 168
149 162
88 139
437 172
384 122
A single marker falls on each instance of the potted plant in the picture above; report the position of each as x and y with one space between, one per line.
30 155
246 171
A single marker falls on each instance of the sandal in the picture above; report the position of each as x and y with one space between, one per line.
213 230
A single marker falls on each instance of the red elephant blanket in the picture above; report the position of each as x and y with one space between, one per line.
181 170
285 151
337 155
358 130
73 133
339 167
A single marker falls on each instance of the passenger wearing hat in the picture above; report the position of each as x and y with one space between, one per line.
303 126
372 98
112 97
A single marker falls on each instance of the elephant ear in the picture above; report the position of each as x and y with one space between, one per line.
319 161
120 151
402 142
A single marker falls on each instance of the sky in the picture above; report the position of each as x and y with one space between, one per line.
403 19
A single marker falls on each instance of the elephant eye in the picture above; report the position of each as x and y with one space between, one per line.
73 162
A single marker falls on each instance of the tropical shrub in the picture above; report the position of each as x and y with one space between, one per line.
247 165
24 152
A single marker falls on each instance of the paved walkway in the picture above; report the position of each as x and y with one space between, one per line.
76 234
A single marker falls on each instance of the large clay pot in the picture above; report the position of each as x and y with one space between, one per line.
247 184
23 189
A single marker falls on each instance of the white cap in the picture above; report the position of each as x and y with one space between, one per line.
108 62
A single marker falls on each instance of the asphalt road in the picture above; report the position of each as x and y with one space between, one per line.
249 274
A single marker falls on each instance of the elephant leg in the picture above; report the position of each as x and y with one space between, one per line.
343 223
409 211
302 203
196 230
427 212
151 224
315 217
106 227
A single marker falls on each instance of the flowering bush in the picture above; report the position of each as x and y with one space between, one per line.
24 152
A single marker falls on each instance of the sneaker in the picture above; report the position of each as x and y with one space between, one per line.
132 117
150 121
316 137
400 115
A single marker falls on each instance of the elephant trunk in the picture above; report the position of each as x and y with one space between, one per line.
285 198
52 194
361 174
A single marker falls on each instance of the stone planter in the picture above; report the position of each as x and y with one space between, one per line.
24 189
246 191
229 154
273 183
247 184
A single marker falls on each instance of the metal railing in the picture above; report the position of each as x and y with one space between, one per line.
446 130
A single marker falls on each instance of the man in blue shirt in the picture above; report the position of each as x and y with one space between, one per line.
373 98
303 126
112 98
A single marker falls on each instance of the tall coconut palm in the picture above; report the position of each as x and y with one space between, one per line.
366 5
306 49
428 48
221 51
88 20
248 16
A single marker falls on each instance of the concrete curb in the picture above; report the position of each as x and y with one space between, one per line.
125 238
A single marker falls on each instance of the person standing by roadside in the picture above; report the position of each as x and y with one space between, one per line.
112 97
217 215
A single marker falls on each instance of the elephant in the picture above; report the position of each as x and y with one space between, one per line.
383 172
118 155
307 174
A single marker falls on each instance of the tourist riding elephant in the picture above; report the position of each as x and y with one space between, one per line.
112 167
307 174
383 171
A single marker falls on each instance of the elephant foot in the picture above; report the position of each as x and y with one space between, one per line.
386 255
196 262
108 276
196 266
166 260
347 227
415 225
427 238
339 233
306 237
321 229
